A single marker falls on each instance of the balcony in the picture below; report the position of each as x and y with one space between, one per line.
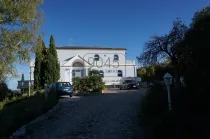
24 84
130 62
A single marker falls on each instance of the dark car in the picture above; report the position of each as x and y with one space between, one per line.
129 84
62 88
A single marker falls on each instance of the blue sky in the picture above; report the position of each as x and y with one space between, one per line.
111 23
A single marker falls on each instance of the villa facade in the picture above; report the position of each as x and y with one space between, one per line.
77 61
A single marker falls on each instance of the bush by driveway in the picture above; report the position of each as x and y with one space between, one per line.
187 119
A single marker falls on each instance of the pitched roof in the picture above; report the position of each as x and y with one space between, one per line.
89 47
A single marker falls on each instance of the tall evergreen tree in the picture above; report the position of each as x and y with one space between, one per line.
22 78
38 63
52 50
48 68
51 67
43 68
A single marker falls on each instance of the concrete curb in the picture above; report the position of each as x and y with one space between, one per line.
22 131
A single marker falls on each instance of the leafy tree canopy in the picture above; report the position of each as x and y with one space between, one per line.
201 14
196 49
19 22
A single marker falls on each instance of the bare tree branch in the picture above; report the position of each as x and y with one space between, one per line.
164 46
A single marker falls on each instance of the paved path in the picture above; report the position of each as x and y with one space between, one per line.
112 115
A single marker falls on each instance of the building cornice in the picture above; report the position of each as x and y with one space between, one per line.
89 48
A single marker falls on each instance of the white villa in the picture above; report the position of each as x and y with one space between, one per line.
78 60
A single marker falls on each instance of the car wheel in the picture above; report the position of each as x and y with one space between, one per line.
70 95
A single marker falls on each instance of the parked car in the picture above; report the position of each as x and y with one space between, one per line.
129 84
62 88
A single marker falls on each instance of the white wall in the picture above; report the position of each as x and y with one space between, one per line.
64 54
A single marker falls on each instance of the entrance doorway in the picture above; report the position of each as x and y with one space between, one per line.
77 73
77 70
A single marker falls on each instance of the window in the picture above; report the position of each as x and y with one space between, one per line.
82 73
77 64
116 57
78 71
96 57
119 73
101 73
73 73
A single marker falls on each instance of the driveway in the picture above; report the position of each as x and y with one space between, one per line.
112 115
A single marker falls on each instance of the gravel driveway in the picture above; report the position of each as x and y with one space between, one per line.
112 115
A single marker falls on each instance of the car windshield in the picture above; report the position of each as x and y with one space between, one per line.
64 84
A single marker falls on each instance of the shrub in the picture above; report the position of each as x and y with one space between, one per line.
96 83
17 111
38 93
154 111
92 83
3 89
188 118
51 101
9 101
154 102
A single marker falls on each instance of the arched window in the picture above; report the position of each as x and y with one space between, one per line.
116 57
96 57
101 72
77 64
119 73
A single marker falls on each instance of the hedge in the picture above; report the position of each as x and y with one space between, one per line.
20 111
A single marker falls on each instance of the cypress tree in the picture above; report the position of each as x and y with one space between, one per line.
56 65
22 78
51 67
43 68
38 63
48 68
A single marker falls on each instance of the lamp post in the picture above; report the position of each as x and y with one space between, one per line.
29 86
168 80
29 83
